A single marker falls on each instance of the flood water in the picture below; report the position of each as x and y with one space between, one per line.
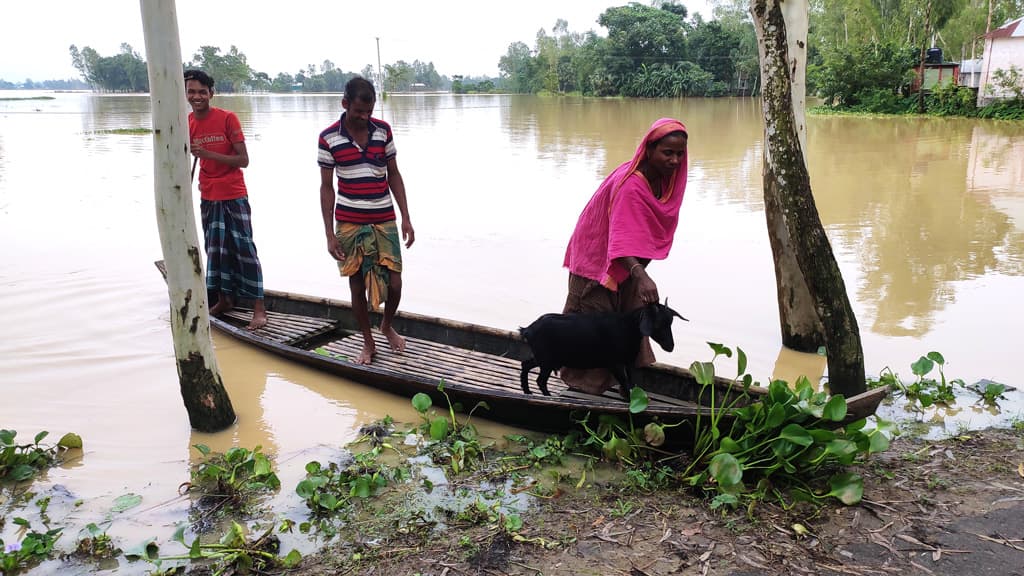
926 217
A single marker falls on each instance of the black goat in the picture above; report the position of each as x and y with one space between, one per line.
594 340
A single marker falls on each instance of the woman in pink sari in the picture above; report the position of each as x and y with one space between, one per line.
630 220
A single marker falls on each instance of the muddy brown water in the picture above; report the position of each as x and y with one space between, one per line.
926 217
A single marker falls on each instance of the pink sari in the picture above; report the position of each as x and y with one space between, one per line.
624 218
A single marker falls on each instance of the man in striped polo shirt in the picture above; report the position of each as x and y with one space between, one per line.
362 235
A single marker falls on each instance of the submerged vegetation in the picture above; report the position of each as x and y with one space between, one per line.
11 98
125 131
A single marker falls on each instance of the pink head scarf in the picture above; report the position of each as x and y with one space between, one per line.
624 218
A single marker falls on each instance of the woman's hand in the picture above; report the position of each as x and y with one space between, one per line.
646 289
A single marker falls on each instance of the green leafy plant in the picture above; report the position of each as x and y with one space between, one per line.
236 475
328 490
789 437
19 462
989 392
618 439
30 550
456 444
924 391
96 543
234 553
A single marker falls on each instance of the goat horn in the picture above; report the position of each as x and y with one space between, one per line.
677 314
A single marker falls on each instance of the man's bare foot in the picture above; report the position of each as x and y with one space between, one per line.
366 355
394 338
259 316
223 306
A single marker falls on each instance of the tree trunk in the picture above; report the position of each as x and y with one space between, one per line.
206 400
920 87
813 303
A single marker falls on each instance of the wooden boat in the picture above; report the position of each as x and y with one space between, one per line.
475 364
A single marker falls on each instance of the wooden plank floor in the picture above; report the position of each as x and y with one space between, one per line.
424 358
438 362
288 329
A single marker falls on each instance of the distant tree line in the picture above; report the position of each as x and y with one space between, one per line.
649 51
28 84
126 72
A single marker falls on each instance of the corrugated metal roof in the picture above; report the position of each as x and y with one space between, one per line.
1012 29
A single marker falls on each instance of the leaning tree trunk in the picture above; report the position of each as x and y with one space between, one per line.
206 400
813 303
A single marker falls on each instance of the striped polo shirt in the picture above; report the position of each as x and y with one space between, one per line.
363 195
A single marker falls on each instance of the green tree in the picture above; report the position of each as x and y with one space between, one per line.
850 76
399 76
734 16
712 46
230 71
124 72
425 73
639 34
518 67
282 83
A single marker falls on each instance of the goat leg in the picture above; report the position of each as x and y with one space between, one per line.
542 380
524 375
621 374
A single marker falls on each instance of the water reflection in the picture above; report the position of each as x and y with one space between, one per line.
895 196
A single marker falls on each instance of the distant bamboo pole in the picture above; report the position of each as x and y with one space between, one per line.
206 400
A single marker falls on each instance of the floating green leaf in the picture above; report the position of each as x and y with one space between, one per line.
70 440
126 502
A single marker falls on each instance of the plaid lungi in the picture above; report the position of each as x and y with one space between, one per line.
373 251
232 266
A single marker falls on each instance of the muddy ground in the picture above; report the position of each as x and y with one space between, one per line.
952 507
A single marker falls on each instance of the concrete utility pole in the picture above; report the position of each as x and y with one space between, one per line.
206 400
380 75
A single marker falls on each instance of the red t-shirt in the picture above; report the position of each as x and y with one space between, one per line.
218 132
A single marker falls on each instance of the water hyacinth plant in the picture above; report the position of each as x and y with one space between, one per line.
793 436
20 462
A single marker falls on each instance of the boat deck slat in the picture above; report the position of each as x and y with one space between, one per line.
288 329
438 362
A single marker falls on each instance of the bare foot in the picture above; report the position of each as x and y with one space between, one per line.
366 354
223 306
394 338
259 316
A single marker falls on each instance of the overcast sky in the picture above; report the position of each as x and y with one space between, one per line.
459 37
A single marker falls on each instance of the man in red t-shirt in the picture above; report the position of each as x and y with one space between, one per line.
232 267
